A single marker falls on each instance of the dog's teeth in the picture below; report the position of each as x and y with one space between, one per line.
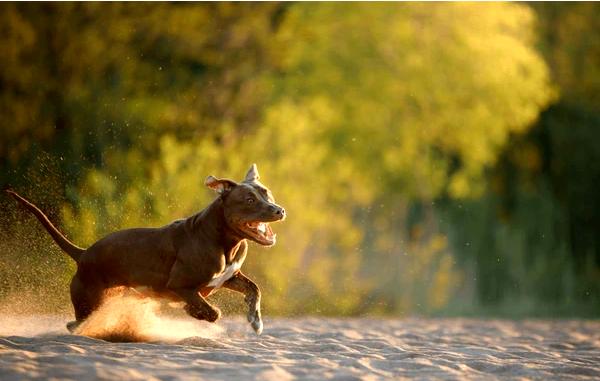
262 228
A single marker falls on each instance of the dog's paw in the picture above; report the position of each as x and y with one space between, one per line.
255 321
209 314
72 325
257 325
213 315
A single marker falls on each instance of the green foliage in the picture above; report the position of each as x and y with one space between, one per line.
536 249
372 124
425 97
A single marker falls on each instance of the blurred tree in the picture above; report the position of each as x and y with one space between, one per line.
425 97
537 245
84 80
428 92
568 130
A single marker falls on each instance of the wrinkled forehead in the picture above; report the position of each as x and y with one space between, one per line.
258 189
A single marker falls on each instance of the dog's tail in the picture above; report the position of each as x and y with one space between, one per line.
68 247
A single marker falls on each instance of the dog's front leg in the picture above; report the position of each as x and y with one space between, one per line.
196 306
240 283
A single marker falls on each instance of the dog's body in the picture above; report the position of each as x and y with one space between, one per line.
183 261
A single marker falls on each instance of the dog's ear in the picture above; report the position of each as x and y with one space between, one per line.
252 174
219 185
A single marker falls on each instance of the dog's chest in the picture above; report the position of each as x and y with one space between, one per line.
229 271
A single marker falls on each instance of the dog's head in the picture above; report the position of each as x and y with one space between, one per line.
249 207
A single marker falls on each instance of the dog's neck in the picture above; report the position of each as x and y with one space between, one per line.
211 223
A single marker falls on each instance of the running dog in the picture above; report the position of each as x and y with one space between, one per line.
184 261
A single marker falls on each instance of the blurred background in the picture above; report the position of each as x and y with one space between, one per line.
434 159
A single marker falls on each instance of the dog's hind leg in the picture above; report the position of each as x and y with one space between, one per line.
240 283
196 306
86 298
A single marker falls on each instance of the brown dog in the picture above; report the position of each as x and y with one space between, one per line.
184 261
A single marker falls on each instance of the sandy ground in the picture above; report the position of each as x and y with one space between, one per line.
39 347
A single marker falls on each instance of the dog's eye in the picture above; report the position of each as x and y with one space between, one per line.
250 200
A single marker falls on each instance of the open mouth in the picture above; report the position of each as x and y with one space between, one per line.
261 232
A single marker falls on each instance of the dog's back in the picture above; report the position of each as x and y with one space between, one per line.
133 257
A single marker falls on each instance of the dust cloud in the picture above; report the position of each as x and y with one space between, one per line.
121 318
136 319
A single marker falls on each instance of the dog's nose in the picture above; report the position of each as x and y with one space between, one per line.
279 211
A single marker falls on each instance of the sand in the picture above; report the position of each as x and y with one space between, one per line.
39 347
